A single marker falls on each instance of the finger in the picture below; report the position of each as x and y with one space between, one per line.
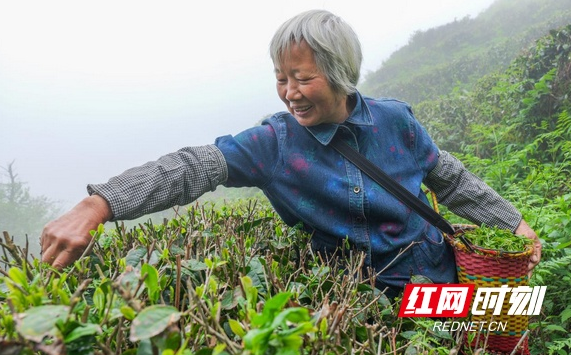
45 240
43 244
64 259
48 255
59 264
536 257
55 260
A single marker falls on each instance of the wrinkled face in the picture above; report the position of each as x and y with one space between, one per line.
306 91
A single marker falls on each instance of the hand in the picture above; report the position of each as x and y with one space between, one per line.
65 239
525 230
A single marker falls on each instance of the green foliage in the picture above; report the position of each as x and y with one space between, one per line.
457 54
523 110
233 280
497 239
278 330
514 131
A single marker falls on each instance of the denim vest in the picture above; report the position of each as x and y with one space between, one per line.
309 182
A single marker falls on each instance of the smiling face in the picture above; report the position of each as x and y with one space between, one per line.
306 91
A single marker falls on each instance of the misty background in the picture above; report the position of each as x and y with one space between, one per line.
88 90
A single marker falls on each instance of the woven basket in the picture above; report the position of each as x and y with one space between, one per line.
493 268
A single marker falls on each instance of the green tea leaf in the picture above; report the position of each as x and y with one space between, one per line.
556 328
99 299
411 350
194 265
63 296
219 349
237 328
230 298
129 280
247 226
251 291
566 314
152 321
151 281
18 276
301 329
39 322
295 315
277 302
128 312
323 327
83 330
135 256
289 345
257 340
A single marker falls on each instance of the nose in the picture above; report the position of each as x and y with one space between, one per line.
292 91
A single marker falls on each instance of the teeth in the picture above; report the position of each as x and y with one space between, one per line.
302 109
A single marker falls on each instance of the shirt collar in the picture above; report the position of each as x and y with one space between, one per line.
360 116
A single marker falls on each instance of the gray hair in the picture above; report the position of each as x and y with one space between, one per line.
335 45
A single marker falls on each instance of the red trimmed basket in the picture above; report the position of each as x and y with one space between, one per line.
493 268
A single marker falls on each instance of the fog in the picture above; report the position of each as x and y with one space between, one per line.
89 89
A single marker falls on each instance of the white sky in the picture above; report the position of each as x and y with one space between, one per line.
89 89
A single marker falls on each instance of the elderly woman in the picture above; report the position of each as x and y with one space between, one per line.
317 59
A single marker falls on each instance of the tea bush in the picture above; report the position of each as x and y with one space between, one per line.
229 280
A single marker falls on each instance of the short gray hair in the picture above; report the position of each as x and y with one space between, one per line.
335 45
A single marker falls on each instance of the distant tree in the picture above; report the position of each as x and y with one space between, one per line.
21 213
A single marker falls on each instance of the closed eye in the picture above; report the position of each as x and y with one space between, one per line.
304 80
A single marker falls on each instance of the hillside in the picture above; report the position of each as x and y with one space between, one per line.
436 61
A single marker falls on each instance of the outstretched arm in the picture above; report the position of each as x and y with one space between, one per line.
174 179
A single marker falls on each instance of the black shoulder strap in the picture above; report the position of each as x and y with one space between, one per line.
396 189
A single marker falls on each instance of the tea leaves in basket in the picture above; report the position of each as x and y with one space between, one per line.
497 239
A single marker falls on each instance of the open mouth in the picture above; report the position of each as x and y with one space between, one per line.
302 109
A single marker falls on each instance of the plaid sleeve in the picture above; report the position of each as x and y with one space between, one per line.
468 196
174 179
